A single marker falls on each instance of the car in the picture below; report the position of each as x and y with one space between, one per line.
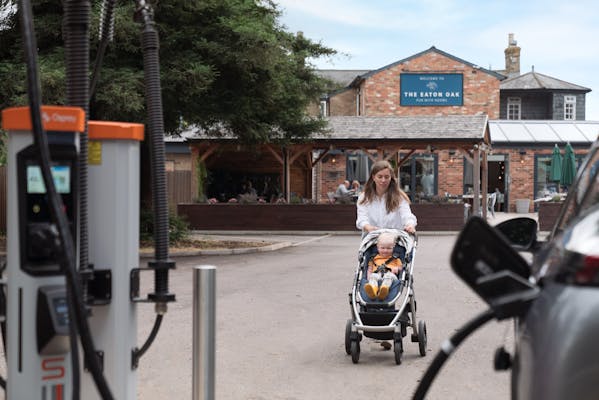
549 287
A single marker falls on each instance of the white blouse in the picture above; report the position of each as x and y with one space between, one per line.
375 213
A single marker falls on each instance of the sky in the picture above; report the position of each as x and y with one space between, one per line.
557 38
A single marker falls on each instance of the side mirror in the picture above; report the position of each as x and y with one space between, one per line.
521 233
486 262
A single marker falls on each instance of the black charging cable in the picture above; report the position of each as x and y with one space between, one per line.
447 348
64 240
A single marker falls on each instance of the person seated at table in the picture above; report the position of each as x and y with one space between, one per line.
343 194
356 188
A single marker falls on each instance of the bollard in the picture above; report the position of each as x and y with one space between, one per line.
203 350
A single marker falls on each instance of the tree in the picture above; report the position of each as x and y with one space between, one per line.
226 65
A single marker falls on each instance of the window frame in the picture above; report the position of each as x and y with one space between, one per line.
516 103
569 102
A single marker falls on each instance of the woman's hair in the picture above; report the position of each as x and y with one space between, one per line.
394 195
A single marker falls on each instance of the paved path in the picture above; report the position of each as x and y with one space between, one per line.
280 330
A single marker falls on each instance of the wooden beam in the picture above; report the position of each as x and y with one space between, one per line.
466 153
287 174
403 160
320 157
274 153
476 183
373 159
208 152
298 150
484 183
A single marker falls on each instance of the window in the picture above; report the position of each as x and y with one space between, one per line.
358 166
323 108
418 177
544 186
514 105
569 107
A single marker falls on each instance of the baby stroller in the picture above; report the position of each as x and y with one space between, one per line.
386 319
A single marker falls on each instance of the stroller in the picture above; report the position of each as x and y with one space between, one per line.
386 319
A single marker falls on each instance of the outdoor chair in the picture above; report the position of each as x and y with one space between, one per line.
491 203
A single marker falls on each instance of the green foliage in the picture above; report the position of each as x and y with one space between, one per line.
226 65
202 176
178 227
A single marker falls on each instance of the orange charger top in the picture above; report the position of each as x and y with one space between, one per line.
70 119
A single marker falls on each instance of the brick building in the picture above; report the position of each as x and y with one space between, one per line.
409 112
520 150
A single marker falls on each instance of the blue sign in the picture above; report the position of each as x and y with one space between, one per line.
431 89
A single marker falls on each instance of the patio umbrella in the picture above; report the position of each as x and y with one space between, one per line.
568 166
555 169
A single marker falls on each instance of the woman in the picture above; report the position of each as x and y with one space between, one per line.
382 204
356 188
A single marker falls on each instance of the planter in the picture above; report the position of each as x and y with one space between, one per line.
307 217
522 206
548 213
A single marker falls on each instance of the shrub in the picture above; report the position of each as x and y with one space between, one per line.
178 227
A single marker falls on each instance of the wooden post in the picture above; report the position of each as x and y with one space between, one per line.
485 183
286 174
476 181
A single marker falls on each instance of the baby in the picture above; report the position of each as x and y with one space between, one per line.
382 267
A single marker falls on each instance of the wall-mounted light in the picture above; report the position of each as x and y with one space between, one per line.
333 160
522 153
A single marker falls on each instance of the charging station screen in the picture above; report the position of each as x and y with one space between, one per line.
60 173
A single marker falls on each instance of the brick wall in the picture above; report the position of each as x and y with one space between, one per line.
522 170
343 103
381 90
332 175
451 174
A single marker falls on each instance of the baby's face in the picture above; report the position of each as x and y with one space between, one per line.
385 248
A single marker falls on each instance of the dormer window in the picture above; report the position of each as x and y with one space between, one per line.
570 108
514 106
323 108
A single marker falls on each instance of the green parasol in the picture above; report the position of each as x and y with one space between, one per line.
555 169
568 166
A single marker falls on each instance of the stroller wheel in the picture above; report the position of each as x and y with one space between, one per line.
347 336
355 351
422 337
397 350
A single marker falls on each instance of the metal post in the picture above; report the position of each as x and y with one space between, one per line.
204 295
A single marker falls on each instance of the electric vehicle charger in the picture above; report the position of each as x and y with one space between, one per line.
48 212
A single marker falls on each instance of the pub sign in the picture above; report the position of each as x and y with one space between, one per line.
431 89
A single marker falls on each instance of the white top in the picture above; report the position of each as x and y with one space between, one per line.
342 190
375 213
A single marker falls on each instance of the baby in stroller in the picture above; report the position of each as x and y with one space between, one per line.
383 267
382 299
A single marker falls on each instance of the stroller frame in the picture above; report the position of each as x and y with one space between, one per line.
405 315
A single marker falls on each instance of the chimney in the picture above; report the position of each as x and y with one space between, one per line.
512 57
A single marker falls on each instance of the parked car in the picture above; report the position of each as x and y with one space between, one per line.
553 295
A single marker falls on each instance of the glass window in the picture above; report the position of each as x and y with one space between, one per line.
513 107
323 108
569 107
418 177
585 192
543 185
358 166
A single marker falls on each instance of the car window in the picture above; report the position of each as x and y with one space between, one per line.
584 193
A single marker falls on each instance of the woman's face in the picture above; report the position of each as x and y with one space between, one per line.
382 179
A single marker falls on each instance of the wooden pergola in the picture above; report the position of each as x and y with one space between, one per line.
389 136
